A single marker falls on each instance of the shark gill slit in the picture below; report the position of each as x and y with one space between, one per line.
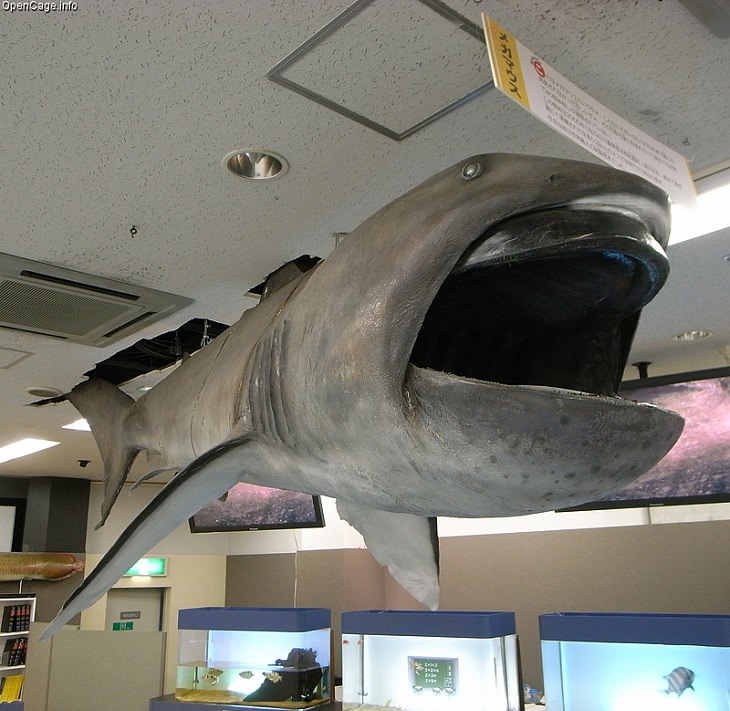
265 398
225 341
276 396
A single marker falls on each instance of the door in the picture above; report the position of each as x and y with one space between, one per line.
135 609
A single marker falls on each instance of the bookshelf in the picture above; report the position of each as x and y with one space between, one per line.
16 614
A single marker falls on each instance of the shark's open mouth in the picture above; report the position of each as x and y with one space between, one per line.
549 298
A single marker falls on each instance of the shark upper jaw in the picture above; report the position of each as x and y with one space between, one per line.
548 298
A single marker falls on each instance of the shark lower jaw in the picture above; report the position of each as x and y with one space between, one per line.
549 298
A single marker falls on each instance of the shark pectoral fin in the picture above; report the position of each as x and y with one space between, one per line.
202 481
405 544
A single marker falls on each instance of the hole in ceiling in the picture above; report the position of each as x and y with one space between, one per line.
153 354
157 353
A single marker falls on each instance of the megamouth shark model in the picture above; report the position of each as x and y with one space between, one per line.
457 355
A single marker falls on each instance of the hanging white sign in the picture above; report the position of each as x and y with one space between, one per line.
549 96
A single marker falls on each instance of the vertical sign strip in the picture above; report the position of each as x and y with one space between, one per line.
504 56
564 107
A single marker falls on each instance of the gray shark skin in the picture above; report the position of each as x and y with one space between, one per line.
457 355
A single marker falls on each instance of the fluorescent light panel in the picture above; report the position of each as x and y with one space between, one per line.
710 213
81 425
24 447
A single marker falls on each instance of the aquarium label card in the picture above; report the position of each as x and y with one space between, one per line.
549 96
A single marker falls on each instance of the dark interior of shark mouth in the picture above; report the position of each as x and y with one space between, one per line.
549 298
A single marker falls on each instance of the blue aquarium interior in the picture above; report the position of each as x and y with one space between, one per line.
245 664
286 668
660 675
604 676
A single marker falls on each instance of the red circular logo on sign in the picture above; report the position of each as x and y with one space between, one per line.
537 66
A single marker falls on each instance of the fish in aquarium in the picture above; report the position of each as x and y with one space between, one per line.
679 680
246 674
211 676
273 676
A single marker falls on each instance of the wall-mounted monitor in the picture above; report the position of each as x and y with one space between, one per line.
248 507
697 469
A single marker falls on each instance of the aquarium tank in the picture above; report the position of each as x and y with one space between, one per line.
636 662
277 657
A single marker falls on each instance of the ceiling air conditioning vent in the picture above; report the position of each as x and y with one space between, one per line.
72 306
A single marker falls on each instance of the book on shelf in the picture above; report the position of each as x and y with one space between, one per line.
11 687
16 618
14 652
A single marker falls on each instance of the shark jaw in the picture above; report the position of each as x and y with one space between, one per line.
548 298
527 340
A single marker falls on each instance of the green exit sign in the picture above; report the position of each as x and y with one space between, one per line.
148 567
122 626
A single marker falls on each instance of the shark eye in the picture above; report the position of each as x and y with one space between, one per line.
471 170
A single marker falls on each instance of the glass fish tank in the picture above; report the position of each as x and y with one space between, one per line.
414 660
271 657
635 662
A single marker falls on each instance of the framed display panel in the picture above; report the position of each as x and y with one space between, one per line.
12 521
248 507
697 469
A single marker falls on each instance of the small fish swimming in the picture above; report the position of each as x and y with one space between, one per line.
273 676
211 676
246 674
679 680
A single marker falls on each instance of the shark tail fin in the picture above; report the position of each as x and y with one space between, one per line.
105 408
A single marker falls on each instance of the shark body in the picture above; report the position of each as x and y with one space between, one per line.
458 354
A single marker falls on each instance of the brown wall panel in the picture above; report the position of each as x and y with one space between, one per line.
260 580
663 568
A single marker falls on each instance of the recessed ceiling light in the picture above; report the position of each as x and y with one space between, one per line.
23 447
256 164
81 425
43 391
693 335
